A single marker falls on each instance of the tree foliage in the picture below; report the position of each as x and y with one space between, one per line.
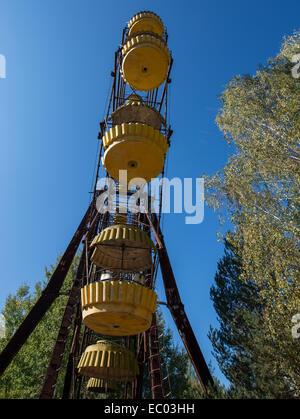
246 352
258 189
25 375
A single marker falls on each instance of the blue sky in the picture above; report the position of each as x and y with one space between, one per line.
59 55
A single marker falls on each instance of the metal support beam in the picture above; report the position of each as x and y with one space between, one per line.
78 319
70 363
138 388
154 362
178 313
46 299
63 333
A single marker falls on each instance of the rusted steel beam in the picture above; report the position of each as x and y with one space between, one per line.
138 387
63 333
154 362
77 378
114 82
46 299
100 136
165 86
70 363
178 313
157 238
118 96
78 319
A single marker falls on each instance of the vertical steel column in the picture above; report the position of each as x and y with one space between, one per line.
71 367
59 347
141 359
154 361
178 313
70 363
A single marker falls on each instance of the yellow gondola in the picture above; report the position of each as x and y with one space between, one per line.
145 62
138 148
146 22
108 361
134 110
117 308
96 385
122 248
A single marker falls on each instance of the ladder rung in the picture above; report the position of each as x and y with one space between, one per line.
153 371
157 385
153 355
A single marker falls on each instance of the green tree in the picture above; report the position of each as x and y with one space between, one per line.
195 391
24 377
258 189
245 351
234 301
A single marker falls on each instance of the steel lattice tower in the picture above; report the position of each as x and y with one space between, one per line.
110 313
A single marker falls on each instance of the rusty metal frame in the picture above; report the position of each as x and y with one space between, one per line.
178 313
50 381
63 333
155 370
70 363
147 342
